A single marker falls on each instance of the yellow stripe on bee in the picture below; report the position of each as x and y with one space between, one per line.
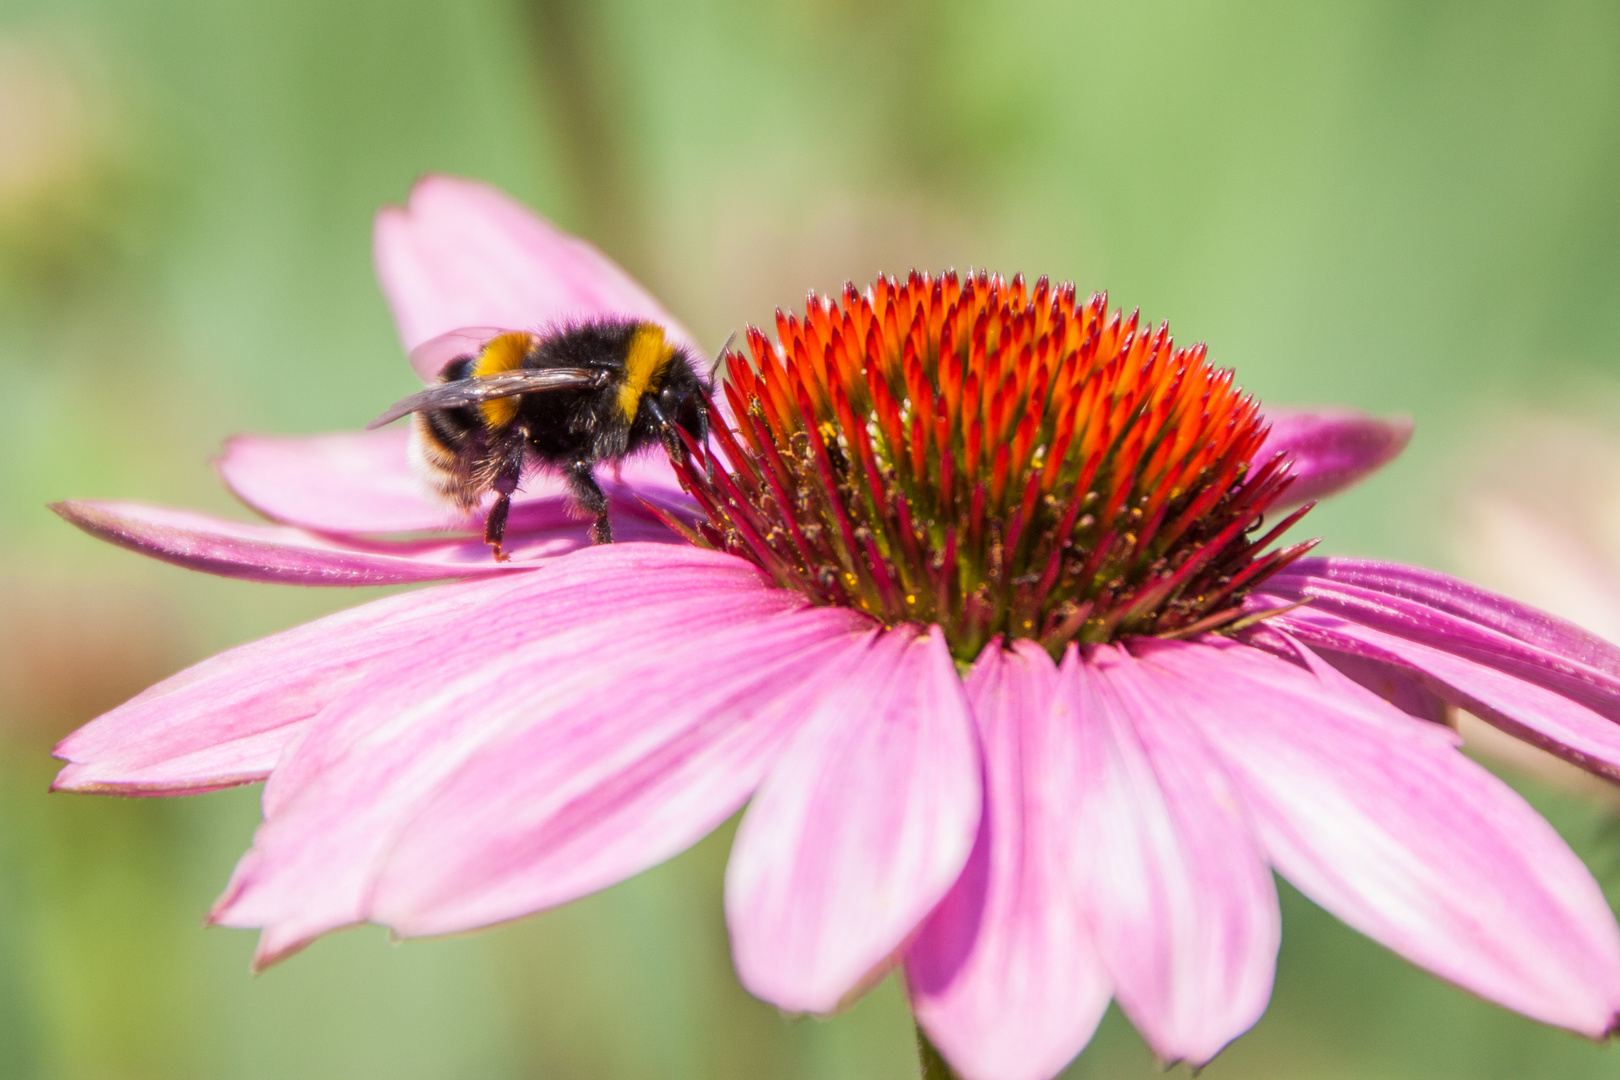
644 362
502 354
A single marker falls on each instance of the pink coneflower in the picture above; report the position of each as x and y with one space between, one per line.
968 603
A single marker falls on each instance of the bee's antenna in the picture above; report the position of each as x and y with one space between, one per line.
721 355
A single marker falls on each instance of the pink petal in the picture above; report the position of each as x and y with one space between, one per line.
1003 976
1378 818
225 721
1181 902
346 481
293 556
612 778
1469 603
860 829
1400 686
461 254
540 651
1443 611
646 478
1523 709
363 482
222 764
495 616
1332 448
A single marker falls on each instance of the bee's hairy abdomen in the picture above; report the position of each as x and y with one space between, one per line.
448 445
444 463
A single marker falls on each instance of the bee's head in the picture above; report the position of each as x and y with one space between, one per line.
681 400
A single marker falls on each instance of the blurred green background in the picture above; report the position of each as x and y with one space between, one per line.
1408 207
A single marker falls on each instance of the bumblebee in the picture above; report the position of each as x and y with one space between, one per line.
566 401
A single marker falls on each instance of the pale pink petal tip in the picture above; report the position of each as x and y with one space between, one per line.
227 719
1004 975
1332 448
244 760
461 254
860 829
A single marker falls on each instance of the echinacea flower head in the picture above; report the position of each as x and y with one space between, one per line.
975 600
995 460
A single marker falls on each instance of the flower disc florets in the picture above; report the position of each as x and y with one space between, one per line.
995 459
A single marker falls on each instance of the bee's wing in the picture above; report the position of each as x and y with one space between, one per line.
452 395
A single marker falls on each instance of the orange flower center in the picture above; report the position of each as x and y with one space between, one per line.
996 459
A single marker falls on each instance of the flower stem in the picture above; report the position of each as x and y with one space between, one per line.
933 1065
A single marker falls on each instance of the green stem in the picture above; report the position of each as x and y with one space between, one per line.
933 1066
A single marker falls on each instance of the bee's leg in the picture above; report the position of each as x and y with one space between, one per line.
673 446
701 436
495 525
588 495
666 433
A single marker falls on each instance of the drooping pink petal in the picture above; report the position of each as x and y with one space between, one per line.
860 829
461 254
362 482
1182 904
1377 817
1534 675
1526 710
1003 976
1357 587
1332 448
547 649
293 556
